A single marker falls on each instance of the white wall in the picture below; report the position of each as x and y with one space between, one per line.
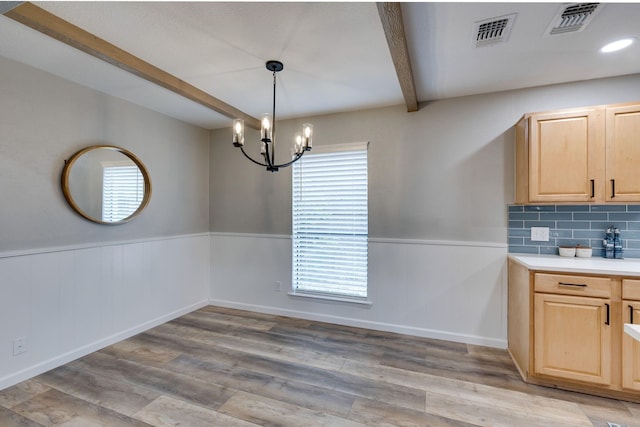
69 301
440 180
45 119
70 286
446 290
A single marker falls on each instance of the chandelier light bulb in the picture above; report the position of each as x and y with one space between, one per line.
265 132
238 132
298 142
307 130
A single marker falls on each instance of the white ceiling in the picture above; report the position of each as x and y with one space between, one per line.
335 55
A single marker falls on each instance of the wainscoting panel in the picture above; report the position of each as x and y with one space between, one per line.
67 302
436 289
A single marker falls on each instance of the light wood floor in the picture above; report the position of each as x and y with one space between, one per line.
222 367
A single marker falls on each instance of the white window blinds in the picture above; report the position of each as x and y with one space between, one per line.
122 191
330 222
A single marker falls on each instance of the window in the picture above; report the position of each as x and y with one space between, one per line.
330 222
122 190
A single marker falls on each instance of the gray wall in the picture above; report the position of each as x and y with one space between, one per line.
444 172
45 119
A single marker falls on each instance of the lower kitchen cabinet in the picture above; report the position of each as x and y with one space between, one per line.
572 338
630 347
565 330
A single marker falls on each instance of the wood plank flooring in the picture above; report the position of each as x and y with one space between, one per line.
223 367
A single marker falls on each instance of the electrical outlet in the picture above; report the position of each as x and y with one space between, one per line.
19 346
539 234
278 287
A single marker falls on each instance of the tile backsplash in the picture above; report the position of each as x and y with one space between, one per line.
571 225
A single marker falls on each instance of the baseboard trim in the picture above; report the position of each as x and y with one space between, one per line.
378 326
57 361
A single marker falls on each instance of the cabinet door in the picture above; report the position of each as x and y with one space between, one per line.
623 154
566 151
572 337
630 347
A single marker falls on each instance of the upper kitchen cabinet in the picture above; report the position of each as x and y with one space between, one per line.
560 156
585 155
623 153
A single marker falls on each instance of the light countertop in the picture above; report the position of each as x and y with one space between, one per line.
633 330
595 265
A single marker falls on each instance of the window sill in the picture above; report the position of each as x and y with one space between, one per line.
359 301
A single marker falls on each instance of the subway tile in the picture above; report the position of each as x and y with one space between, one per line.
626 216
528 216
516 224
552 216
519 232
588 234
548 250
635 235
529 242
574 225
608 208
572 208
523 249
631 253
540 208
516 241
633 244
550 224
561 233
633 225
590 216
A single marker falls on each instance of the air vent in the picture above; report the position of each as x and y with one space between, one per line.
492 31
573 18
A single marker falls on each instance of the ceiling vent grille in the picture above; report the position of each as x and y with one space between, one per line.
492 31
573 18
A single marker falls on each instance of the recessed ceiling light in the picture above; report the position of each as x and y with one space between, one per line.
617 45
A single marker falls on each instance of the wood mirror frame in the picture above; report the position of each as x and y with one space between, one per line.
111 150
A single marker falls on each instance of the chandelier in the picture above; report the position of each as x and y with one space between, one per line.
302 140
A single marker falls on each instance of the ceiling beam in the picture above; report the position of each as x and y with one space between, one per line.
391 17
65 32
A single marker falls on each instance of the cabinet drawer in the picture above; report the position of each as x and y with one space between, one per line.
573 285
631 289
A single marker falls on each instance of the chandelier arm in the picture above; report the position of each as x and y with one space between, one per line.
251 158
298 156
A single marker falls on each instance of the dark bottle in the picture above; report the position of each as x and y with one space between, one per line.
617 244
608 243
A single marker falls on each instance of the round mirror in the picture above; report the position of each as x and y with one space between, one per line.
106 184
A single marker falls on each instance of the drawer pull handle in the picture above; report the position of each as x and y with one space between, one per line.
593 188
631 314
578 285
608 312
